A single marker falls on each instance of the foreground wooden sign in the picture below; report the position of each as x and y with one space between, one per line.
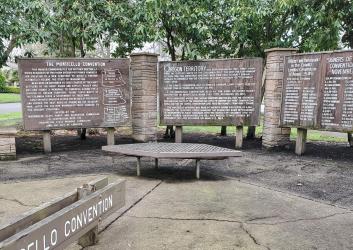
212 92
68 224
318 91
74 93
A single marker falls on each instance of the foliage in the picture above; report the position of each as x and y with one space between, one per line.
8 89
21 22
11 75
177 24
79 25
237 28
2 82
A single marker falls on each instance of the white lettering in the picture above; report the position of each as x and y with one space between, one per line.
67 232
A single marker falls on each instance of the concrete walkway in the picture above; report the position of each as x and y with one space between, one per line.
10 107
213 214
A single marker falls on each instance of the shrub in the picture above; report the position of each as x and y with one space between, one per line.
14 90
2 83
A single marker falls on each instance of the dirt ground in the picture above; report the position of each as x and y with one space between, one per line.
324 173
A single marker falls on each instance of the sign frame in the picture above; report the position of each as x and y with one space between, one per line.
227 121
124 68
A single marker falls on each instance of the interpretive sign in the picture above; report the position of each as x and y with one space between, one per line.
74 93
318 91
212 92
70 223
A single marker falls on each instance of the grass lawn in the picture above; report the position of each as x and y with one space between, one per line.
312 135
8 98
10 119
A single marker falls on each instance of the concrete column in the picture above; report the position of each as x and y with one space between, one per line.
273 135
239 133
301 140
46 141
178 134
110 136
144 96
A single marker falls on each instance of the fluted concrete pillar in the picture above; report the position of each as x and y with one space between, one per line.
144 96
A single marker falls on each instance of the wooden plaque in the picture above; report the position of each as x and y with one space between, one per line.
212 92
318 91
74 93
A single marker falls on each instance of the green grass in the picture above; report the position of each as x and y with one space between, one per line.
9 98
10 119
312 135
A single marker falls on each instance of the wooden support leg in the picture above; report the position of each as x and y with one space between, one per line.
156 163
138 166
83 134
46 141
197 169
350 139
110 136
301 140
178 134
239 137
251 132
91 237
224 131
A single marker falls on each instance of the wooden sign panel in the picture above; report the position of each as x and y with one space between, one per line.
74 93
318 91
69 224
212 92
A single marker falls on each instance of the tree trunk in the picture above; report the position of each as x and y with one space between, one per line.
10 47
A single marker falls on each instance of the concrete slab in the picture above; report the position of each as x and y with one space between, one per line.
228 215
19 197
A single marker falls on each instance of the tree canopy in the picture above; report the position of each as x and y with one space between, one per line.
187 29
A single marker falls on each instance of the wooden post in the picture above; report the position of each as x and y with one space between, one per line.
178 134
156 163
197 168
251 132
350 139
224 131
83 134
46 141
138 166
110 136
239 137
301 140
91 237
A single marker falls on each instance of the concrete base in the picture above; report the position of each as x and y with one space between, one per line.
239 137
46 141
178 134
301 141
110 136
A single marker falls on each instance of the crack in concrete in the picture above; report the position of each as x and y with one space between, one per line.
263 218
130 207
252 237
18 202
298 220
256 242
249 221
184 219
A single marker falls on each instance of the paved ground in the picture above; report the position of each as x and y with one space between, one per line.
264 200
10 107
